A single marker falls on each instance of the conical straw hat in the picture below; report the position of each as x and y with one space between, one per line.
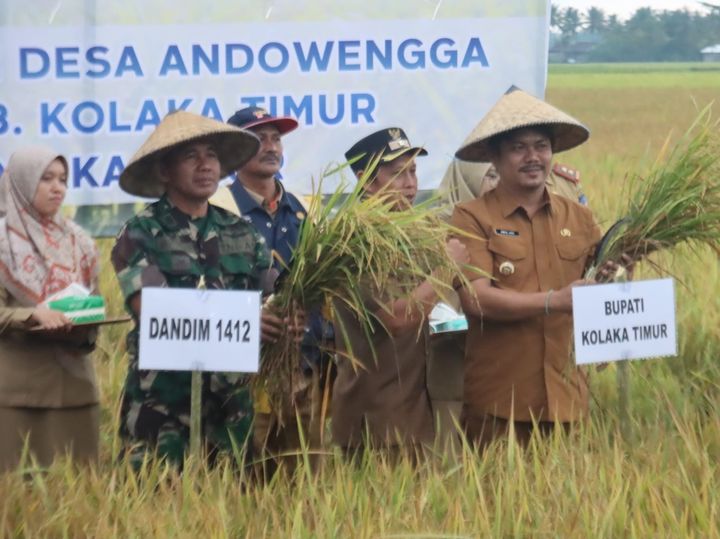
517 109
234 147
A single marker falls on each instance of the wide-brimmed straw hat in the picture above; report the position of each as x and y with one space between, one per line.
234 147
517 109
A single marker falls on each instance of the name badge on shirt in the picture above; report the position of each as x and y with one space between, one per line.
503 232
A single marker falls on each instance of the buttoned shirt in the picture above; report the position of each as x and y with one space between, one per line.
281 228
524 368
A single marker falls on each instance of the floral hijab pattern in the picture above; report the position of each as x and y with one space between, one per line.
38 256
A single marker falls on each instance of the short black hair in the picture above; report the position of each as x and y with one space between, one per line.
495 141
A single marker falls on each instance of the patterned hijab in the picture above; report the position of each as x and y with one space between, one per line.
38 256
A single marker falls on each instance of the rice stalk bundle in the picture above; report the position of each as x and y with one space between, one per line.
677 202
351 243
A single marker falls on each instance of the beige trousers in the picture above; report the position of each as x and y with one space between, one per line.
48 432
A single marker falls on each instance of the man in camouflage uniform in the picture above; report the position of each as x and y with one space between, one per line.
181 241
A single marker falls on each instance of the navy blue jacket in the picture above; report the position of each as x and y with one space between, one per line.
282 232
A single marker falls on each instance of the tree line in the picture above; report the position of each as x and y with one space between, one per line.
647 36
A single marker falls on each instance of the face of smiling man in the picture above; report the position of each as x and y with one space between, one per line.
522 159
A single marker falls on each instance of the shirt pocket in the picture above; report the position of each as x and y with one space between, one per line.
235 265
174 255
573 255
510 264
180 268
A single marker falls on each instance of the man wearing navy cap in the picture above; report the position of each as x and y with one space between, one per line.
259 196
256 193
385 404
396 169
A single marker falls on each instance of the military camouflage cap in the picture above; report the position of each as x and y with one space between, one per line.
234 147
517 109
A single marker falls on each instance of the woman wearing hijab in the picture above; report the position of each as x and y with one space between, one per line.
48 394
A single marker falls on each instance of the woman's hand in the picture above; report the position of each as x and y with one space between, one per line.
48 319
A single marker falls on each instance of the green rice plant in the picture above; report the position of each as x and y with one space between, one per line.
352 245
677 202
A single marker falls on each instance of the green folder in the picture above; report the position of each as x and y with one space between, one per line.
81 309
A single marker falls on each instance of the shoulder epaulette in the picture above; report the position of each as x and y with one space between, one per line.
566 172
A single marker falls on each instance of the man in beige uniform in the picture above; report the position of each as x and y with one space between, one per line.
464 181
536 245
385 404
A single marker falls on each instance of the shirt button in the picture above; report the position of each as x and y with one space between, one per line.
269 225
284 229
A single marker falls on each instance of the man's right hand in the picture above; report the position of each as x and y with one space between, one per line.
561 300
48 319
272 327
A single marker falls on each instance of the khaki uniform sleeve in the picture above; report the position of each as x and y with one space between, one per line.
12 317
476 243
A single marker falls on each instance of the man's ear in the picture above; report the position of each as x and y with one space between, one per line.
495 158
161 172
370 185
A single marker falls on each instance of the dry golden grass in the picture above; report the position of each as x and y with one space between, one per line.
662 482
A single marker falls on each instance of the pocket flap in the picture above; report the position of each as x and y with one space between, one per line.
511 248
572 249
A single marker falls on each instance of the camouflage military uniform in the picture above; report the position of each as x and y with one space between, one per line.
162 246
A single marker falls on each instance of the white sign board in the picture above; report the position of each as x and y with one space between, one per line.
633 320
94 78
185 329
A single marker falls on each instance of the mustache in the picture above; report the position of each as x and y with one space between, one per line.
269 156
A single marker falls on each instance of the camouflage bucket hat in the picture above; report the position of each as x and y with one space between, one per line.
517 109
234 147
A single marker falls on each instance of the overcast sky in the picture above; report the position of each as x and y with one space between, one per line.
625 8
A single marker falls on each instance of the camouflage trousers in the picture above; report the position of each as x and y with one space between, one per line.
155 414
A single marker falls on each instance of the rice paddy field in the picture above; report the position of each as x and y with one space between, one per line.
659 480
